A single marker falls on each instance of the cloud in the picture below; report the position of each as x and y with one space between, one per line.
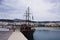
45 10
41 9
52 1
4 16
12 8
56 6
12 5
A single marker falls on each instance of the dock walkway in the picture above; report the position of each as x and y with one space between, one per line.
17 36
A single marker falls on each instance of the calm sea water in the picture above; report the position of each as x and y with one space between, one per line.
47 34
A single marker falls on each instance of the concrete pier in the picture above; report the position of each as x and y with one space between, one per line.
17 36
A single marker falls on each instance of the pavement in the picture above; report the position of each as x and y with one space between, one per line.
4 35
17 35
9 35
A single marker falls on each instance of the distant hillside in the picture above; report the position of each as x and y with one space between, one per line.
21 20
7 20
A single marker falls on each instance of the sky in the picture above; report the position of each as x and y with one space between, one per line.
42 10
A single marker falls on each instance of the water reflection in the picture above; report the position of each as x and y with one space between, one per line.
47 34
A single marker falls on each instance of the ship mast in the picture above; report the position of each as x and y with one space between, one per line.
27 15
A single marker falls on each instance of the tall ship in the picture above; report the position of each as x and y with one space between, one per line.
26 28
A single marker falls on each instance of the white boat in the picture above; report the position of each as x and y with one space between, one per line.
4 29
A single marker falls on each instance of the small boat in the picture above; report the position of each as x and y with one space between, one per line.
4 29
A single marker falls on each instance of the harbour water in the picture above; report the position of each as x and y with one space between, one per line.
45 33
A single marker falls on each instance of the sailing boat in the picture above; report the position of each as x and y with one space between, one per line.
26 28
